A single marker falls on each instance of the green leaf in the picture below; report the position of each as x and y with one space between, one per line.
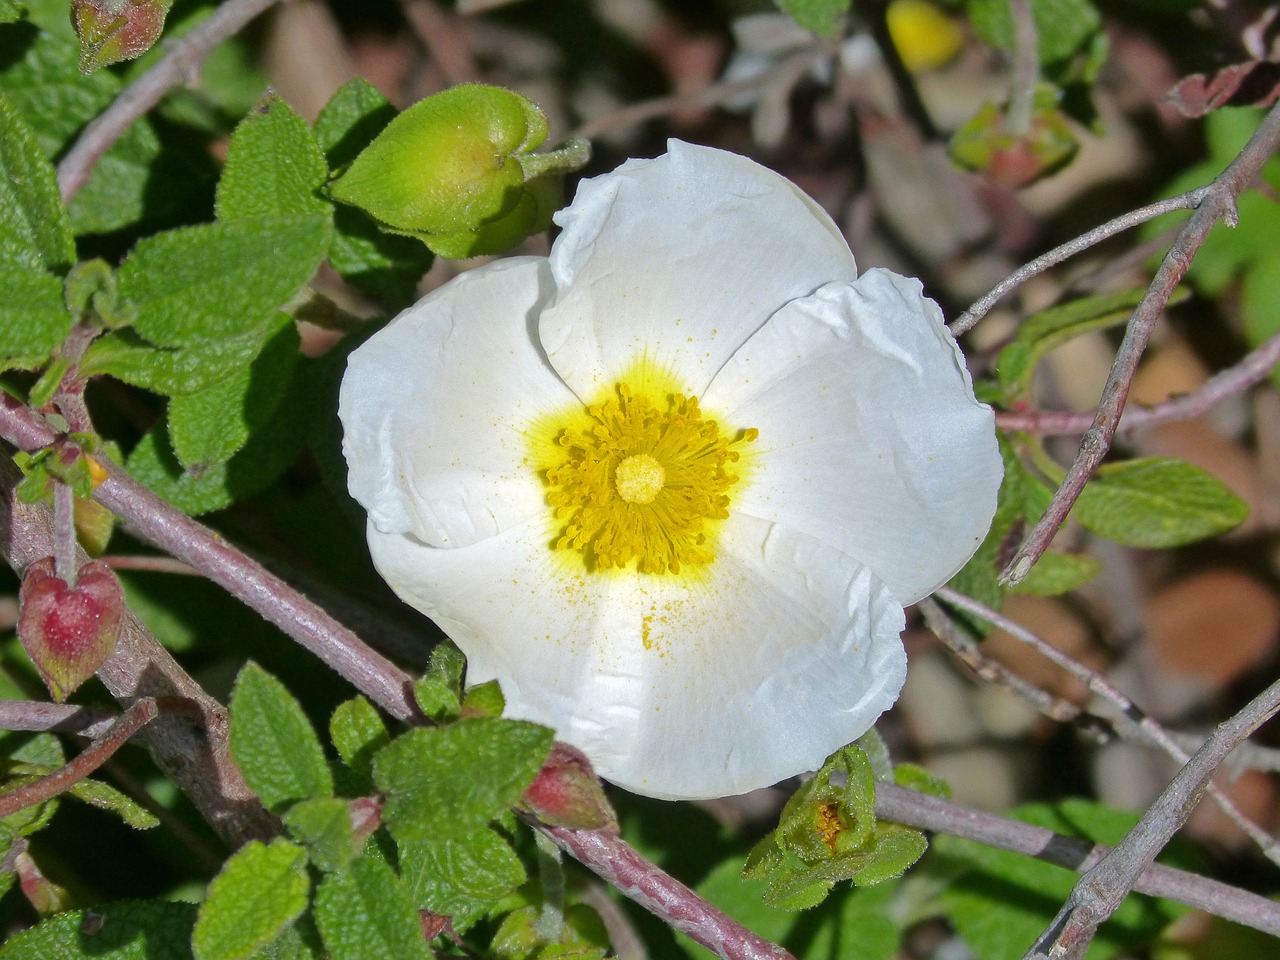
176 371
35 231
323 826
367 914
1158 502
439 693
207 282
1003 901
273 743
854 924
269 451
124 930
108 797
1058 573
209 427
358 733
823 17
382 264
1062 26
259 891
274 167
449 781
350 121
35 316
461 878
1047 329
10 11
42 749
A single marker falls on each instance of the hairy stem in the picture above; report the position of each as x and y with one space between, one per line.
90 759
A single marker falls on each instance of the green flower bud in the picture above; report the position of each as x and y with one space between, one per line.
455 171
986 145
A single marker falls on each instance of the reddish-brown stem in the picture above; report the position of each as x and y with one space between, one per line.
60 717
1218 204
1235 380
609 857
90 759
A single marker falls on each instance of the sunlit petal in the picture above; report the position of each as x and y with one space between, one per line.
870 438
434 407
700 245
782 651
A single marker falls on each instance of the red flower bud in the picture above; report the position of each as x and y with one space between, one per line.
567 793
69 631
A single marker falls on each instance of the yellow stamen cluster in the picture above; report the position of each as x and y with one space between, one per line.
640 484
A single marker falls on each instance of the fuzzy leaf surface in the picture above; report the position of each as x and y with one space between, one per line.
218 280
35 231
124 930
260 890
35 316
461 878
367 914
273 743
449 781
211 425
274 167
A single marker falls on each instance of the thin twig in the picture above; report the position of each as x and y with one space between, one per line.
64 532
179 64
1185 201
1099 893
1128 713
88 760
1253 369
925 812
1218 204
615 862
150 564
1026 68
959 643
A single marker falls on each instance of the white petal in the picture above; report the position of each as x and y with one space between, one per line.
870 437
433 405
785 651
679 260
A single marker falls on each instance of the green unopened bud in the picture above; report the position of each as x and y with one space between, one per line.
114 30
456 171
986 144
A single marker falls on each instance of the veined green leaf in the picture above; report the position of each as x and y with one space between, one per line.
35 231
204 283
449 781
259 892
1158 502
274 167
366 914
273 743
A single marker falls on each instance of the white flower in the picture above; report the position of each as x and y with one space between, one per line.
705 596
